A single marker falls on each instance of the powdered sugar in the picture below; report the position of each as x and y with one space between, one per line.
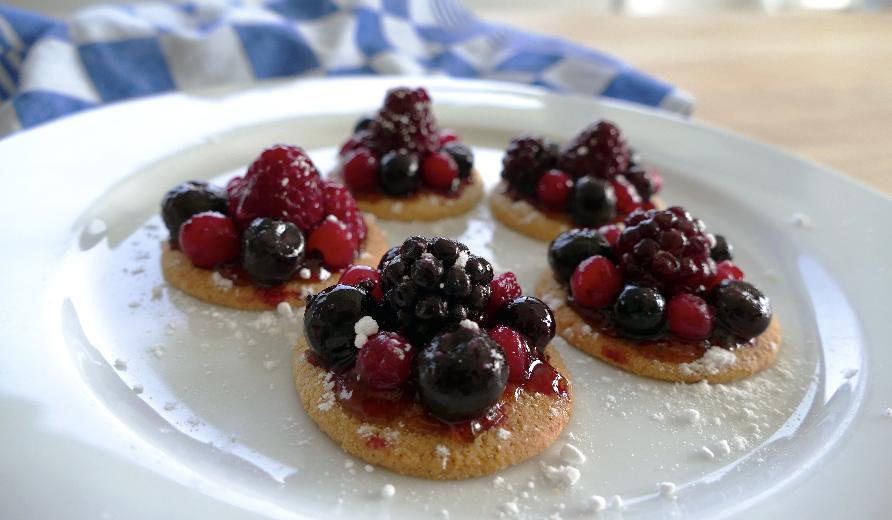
713 361
365 327
560 475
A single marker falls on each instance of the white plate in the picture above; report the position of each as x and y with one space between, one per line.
218 431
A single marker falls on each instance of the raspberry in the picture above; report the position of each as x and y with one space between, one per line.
725 270
517 350
570 248
405 122
361 170
385 360
335 242
611 232
209 239
690 317
627 198
504 288
595 282
525 160
599 150
339 202
363 276
191 198
667 249
439 170
448 135
553 188
282 184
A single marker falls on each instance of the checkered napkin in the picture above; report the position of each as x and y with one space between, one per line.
50 68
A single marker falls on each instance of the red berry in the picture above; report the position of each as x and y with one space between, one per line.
595 282
517 349
725 270
355 142
385 360
361 170
553 188
335 242
627 198
611 232
504 288
439 170
447 136
359 273
340 203
209 239
282 184
690 317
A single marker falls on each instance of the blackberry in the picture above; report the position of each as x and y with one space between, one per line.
599 150
592 202
666 249
431 284
461 373
272 251
405 122
191 198
569 249
526 159
330 323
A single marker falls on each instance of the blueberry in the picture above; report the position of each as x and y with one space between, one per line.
330 320
463 157
722 250
569 249
643 180
639 312
272 251
363 123
592 202
399 173
460 374
740 308
191 198
530 317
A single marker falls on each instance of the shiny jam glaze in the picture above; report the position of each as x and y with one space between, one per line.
422 191
667 348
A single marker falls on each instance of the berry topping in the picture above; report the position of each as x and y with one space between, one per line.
722 250
272 251
595 282
627 198
385 360
525 160
517 350
572 247
447 136
405 122
463 157
461 373
725 270
361 170
399 175
440 171
553 188
611 232
330 324
531 318
504 289
340 203
334 242
690 317
282 184
646 180
639 312
191 198
599 151
364 277
666 249
592 202
740 308
363 124
209 239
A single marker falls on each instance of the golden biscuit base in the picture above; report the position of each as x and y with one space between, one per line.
427 205
624 353
202 284
535 221
533 423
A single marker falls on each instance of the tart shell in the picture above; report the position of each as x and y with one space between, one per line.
202 284
533 422
624 353
427 205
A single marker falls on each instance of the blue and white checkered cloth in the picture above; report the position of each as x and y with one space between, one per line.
50 68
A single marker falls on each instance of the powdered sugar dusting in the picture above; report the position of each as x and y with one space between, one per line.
221 283
443 454
712 362
365 327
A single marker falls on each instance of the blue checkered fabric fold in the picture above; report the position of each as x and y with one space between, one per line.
50 68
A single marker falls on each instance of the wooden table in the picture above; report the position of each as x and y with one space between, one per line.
818 85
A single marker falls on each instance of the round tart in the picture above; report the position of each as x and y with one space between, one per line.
400 166
663 300
433 367
594 181
278 234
